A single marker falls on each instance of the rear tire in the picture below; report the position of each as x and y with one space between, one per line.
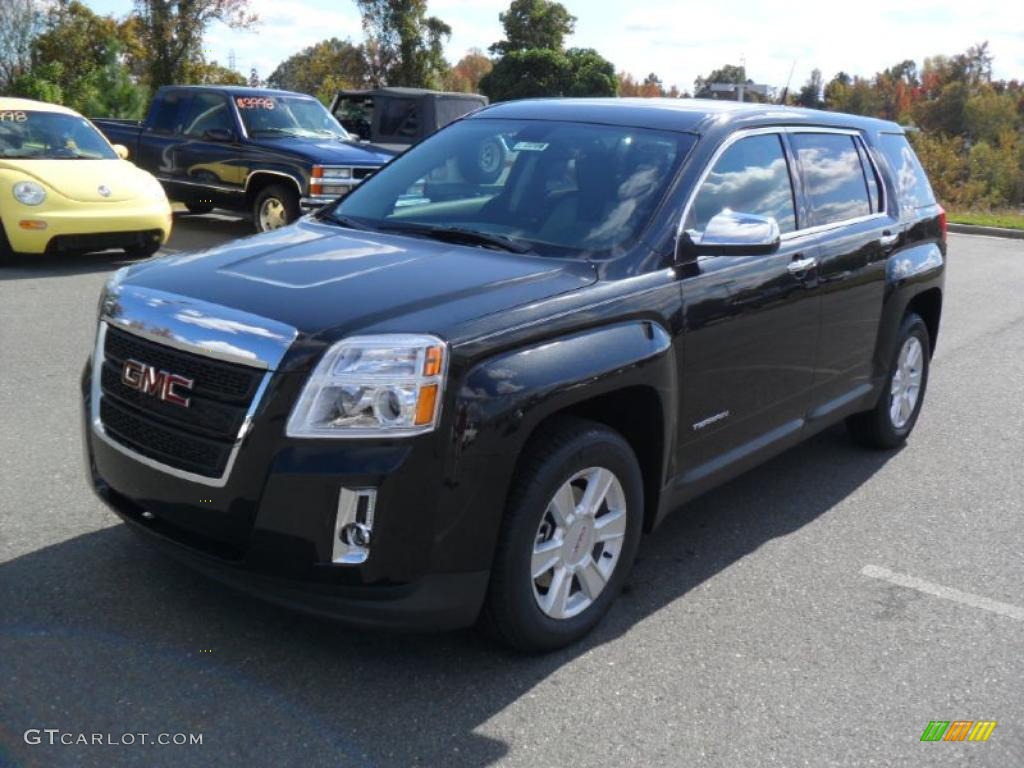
890 422
555 575
275 206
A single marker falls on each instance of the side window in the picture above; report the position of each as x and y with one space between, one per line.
208 111
169 112
836 186
912 185
751 176
400 118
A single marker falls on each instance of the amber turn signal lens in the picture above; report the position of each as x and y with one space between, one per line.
32 224
432 364
425 404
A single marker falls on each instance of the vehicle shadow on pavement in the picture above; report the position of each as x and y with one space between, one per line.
103 634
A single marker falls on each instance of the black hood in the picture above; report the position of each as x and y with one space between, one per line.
328 281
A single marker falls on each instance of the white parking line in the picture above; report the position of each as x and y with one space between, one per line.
947 593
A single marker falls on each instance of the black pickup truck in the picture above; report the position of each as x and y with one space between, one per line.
443 400
269 153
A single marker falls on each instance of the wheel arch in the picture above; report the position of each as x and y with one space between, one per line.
928 305
257 181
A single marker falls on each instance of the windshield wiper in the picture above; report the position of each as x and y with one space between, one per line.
463 236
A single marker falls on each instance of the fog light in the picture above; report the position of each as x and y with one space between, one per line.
353 526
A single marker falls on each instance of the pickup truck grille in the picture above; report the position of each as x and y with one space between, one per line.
197 439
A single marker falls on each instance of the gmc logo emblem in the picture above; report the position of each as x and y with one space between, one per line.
160 384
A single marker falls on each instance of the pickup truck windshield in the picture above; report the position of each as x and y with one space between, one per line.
31 135
287 116
557 188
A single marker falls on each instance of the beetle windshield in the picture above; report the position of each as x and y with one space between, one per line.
287 116
557 188
31 135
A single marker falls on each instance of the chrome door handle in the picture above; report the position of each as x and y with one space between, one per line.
800 266
888 238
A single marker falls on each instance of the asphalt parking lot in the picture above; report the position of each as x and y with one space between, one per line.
820 611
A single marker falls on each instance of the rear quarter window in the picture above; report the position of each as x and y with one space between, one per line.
835 181
912 187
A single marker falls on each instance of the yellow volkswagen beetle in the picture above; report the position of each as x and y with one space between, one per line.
65 189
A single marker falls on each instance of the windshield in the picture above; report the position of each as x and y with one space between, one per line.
287 116
50 136
560 188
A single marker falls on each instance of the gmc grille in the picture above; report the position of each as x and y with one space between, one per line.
197 439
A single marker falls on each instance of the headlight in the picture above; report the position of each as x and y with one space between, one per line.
28 193
334 173
108 296
373 386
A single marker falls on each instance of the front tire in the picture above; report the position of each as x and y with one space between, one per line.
275 206
890 422
569 537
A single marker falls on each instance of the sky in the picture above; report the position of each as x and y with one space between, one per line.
676 40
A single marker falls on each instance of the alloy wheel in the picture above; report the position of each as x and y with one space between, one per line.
578 542
906 382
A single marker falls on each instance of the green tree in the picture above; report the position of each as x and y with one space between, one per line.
544 72
532 24
989 114
19 21
810 95
404 46
322 69
77 60
730 73
171 32
204 72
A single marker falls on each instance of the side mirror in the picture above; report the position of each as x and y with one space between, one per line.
121 151
731 234
219 134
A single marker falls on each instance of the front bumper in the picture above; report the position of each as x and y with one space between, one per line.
269 529
64 223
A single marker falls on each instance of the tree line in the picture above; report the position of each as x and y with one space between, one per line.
969 127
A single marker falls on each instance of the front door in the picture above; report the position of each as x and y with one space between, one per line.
751 322
208 168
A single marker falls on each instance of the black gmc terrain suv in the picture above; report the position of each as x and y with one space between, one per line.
454 397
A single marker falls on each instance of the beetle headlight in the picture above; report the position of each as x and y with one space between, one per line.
28 193
373 386
153 189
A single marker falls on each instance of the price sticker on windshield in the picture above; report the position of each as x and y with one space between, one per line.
254 102
530 146
11 116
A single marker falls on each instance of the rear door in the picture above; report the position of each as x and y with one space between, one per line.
853 236
751 321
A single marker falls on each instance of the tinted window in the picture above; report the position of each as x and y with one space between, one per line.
751 176
912 185
209 111
833 176
562 188
169 112
401 117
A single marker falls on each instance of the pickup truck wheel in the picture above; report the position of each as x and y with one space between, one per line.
275 206
569 537
893 418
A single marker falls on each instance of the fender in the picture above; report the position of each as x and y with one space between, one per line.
502 399
908 273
